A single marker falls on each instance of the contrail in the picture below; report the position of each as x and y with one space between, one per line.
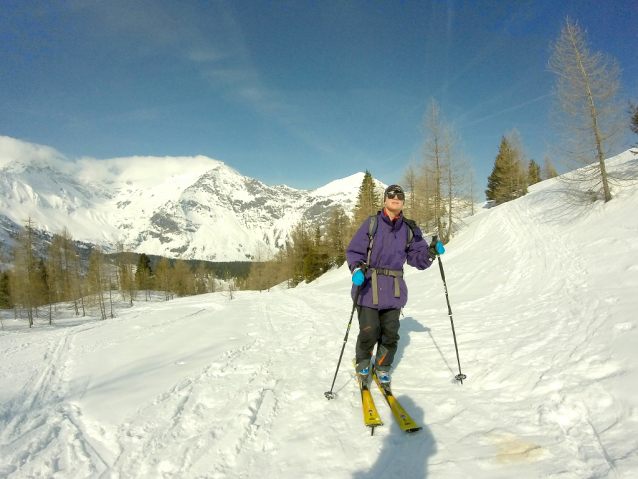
507 110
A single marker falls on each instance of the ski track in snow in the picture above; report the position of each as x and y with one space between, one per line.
39 424
534 323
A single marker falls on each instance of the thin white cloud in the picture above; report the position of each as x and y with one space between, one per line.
506 110
134 116
203 54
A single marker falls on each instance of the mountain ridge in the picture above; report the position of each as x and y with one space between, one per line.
188 207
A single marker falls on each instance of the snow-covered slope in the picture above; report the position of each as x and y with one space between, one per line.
544 300
195 207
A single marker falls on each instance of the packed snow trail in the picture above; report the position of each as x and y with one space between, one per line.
544 302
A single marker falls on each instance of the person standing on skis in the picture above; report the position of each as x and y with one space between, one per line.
376 255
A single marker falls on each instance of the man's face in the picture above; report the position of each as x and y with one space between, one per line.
394 201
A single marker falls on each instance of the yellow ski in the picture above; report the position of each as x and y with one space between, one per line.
403 418
370 415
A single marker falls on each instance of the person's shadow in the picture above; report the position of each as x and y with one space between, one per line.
403 455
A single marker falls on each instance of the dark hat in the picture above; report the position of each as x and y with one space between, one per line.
395 188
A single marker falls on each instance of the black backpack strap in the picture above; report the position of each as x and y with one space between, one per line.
371 232
411 225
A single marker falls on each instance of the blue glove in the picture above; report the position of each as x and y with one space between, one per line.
436 249
358 277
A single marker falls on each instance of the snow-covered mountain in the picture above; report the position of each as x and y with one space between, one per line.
195 207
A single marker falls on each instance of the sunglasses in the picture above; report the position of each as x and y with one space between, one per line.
392 194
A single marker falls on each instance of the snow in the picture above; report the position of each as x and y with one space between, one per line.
344 187
544 300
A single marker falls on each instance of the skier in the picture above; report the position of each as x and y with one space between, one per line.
376 255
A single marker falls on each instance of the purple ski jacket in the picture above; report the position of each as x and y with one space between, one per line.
388 252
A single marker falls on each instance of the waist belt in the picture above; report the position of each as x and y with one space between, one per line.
386 272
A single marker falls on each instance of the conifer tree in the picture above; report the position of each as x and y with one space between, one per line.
211 281
337 236
496 180
299 248
368 200
314 262
311 266
45 287
633 121
200 279
533 173
508 178
6 301
144 275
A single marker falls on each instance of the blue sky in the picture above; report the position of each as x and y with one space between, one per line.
297 92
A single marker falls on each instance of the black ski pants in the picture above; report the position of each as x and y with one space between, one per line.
377 326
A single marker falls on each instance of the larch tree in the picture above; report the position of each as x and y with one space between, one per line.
456 186
68 266
444 180
125 264
589 113
183 284
409 182
258 277
518 175
435 150
25 279
55 270
164 278
98 279
472 192
548 169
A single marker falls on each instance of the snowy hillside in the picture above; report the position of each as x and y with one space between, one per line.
198 208
544 300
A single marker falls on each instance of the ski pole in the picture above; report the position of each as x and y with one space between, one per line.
460 376
329 394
